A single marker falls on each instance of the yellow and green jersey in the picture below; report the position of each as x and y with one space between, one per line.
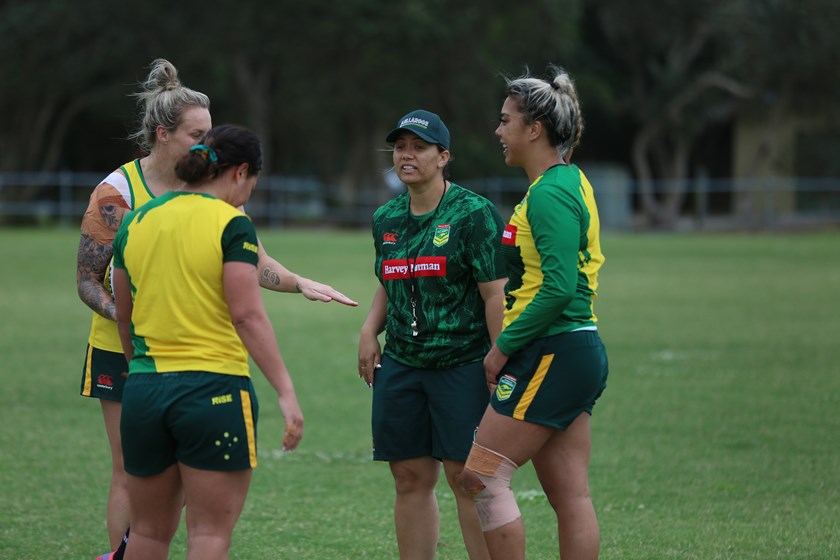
173 250
552 249
131 184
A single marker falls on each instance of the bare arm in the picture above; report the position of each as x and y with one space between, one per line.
125 307
370 351
493 294
274 276
92 261
100 223
253 327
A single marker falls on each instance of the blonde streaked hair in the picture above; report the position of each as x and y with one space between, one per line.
163 100
554 102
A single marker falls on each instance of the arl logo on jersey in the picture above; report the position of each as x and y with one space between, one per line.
441 235
509 235
398 269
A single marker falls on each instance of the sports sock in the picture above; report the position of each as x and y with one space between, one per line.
118 554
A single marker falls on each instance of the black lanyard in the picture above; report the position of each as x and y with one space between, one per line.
415 292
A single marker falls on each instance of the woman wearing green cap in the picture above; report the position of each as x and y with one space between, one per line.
440 303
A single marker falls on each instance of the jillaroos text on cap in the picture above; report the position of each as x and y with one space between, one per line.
415 120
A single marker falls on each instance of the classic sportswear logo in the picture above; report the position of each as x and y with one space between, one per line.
389 239
415 122
250 247
397 269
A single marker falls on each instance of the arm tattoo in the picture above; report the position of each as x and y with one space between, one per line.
111 214
92 261
269 278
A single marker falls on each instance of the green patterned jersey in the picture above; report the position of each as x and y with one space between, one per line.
443 255
553 253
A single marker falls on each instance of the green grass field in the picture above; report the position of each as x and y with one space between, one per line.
718 436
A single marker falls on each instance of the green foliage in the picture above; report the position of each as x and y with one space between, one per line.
688 67
716 437
797 47
322 82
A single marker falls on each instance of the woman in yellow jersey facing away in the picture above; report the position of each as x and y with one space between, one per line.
189 312
174 118
548 364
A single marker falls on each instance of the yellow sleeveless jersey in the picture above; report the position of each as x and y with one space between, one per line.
132 186
174 250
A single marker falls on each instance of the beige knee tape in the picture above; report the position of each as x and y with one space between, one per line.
495 504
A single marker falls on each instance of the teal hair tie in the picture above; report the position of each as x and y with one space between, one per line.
206 152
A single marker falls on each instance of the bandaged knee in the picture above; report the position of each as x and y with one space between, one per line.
494 500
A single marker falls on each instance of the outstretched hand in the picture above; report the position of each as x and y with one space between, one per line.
316 291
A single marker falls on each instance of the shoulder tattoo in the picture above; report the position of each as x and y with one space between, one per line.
112 209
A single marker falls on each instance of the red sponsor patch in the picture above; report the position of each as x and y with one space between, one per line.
509 235
397 269
389 238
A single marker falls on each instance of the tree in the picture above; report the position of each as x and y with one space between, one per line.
688 65
676 81
55 67
321 83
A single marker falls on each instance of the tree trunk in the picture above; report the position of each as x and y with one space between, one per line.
253 83
677 181
644 175
59 131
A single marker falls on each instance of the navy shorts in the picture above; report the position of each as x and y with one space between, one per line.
104 374
426 412
552 380
204 420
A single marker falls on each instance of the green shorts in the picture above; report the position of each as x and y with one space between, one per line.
204 420
104 374
426 412
552 380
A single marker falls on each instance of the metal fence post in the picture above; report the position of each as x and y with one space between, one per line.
701 189
65 197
